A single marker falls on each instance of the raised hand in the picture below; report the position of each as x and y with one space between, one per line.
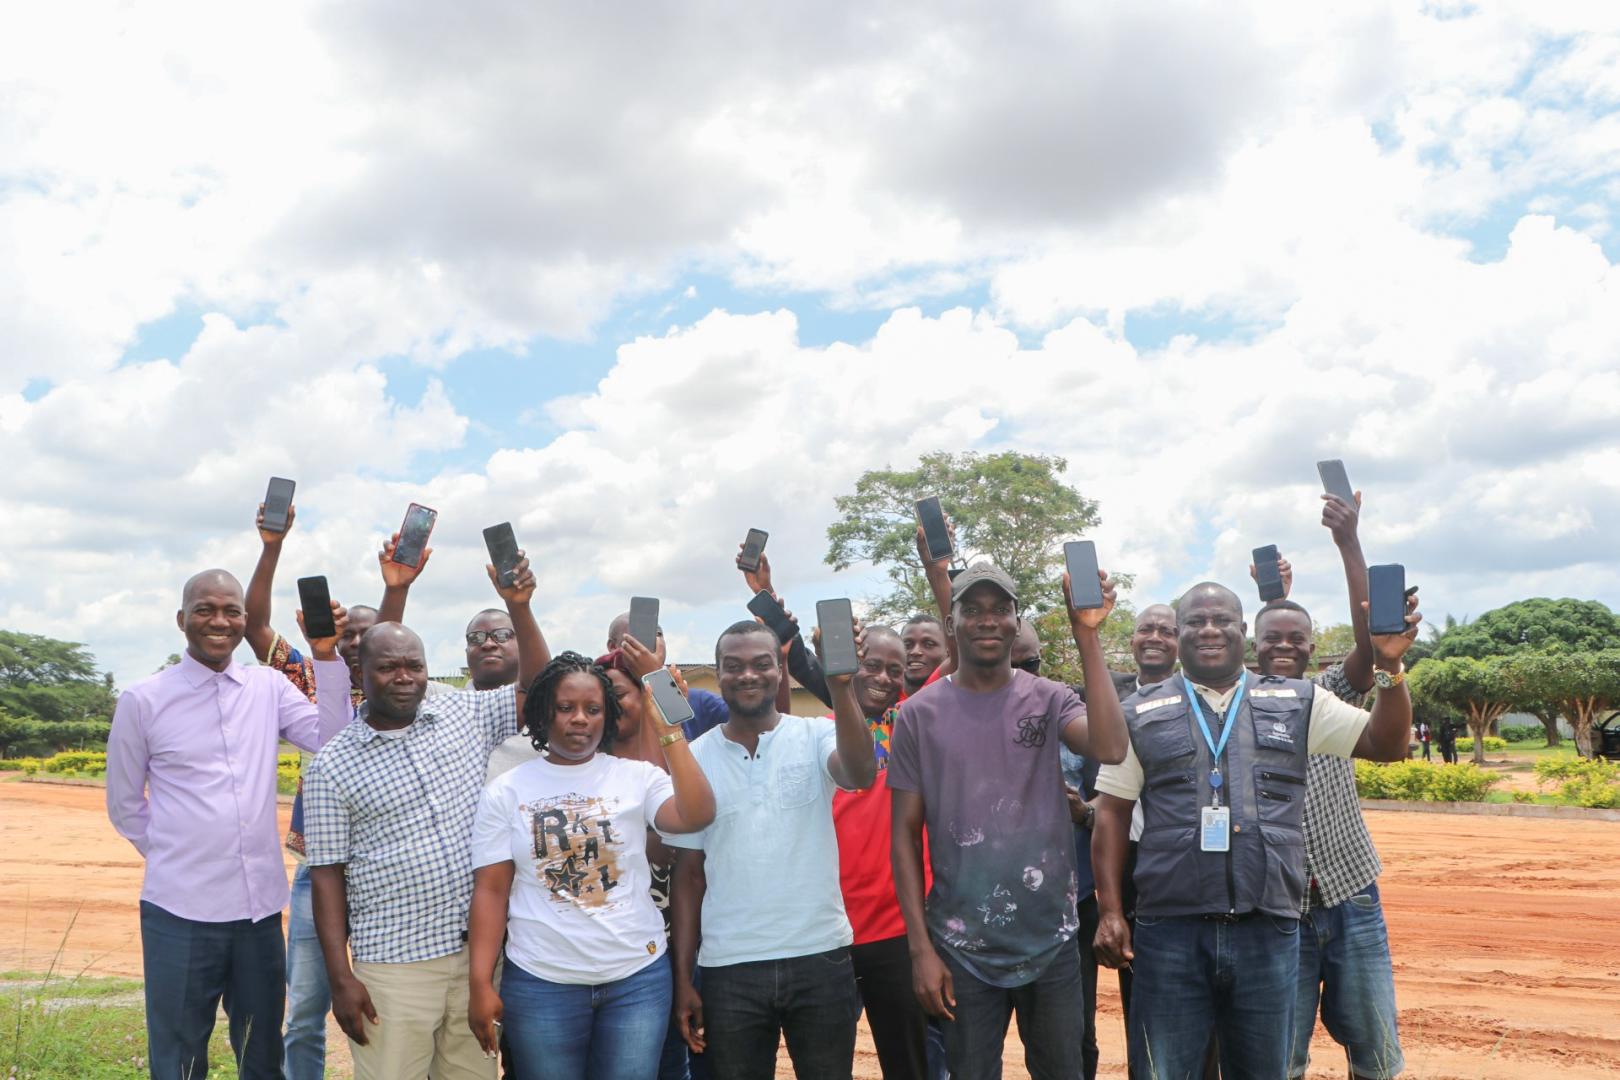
643 661
1341 518
1285 570
758 580
325 648
523 583
398 575
1090 618
1391 647
269 536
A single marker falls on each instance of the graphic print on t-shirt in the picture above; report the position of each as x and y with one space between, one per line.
576 849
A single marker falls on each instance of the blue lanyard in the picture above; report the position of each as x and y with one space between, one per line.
1215 749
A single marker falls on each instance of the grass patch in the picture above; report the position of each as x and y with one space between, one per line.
80 989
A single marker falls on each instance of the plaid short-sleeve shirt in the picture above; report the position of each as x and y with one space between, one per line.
397 811
1339 852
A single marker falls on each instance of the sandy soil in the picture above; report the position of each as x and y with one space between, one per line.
1505 931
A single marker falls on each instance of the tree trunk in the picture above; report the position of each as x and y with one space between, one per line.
1580 719
1478 725
1550 722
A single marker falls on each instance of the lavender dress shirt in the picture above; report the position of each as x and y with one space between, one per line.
191 780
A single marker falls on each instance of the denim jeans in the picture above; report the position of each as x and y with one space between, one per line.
570 1031
1050 1018
191 968
1195 977
1344 963
810 1000
309 998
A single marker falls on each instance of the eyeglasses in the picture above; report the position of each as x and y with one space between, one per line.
1032 665
500 637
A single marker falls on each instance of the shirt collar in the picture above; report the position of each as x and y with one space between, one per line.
369 734
199 674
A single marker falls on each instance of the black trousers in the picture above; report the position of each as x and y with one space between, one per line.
1087 910
899 1025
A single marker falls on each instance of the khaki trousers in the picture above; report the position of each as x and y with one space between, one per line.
422 1023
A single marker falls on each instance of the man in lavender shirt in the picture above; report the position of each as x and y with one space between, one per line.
191 782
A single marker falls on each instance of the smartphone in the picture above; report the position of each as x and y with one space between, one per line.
503 551
1386 599
1335 481
1267 574
278 504
671 702
316 600
931 516
644 621
1080 558
765 606
753 547
414 533
836 619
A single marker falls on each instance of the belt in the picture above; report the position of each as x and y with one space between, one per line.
1225 917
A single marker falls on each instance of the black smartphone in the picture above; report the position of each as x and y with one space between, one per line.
1267 574
414 533
316 600
765 606
836 619
503 550
1335 481
1085 588
278 503
1386 599
753 547
644 621
931 516
671 702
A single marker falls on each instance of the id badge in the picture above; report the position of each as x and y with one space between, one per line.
1217 830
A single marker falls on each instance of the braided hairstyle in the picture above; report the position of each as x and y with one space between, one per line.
540 703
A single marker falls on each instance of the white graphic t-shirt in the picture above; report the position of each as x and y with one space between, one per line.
581 911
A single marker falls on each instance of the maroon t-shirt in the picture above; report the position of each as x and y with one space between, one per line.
999 836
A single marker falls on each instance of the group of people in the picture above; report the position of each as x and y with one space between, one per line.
541 873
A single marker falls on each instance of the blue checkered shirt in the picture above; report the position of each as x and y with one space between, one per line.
397 813
1339 852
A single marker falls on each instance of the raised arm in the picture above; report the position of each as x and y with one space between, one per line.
1343 519
1385 737
260 635
533 653
308 725
1100 734
853 765
397 581
1110 840
938 573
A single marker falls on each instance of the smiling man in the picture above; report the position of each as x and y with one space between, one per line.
1218 760
191 782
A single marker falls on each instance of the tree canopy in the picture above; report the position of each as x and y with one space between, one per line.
1536 625
51 695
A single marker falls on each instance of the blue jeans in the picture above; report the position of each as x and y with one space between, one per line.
1050 1014
1194 977
809 1000
309 998
191 968
1344 963
569 1031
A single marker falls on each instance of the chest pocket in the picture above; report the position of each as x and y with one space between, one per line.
795 786
1279 724
1162 737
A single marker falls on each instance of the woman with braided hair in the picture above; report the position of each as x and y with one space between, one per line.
560 866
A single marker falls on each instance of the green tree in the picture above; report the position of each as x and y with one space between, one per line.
1536 625
51 696
1011 508
1060 659
1584 686
1480 690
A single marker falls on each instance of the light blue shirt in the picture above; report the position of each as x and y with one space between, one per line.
771 855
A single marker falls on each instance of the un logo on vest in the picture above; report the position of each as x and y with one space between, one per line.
1032 731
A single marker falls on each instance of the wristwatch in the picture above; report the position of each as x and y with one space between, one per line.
1385 680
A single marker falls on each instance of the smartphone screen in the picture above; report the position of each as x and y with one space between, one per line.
753 547
644 621
414 533
1080 559
316 600
931 517
1267 574
1335 481
278 503
1386 599
765 606
836 619
676 709
503 550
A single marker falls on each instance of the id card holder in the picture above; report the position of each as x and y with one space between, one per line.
1216 834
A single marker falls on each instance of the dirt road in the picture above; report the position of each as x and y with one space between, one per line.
1506 931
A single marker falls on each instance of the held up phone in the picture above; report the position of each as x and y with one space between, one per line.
1386 599
503 551
1080 559
316 600
671 702
278 503
753 547
1335 481
644 621
765 606
413 534
836 619
931 516
1267 574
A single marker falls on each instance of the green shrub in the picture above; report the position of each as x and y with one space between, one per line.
77 763
1422 781
1583 782
1524 796
1593 792
1523 733
27 765
1493 745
